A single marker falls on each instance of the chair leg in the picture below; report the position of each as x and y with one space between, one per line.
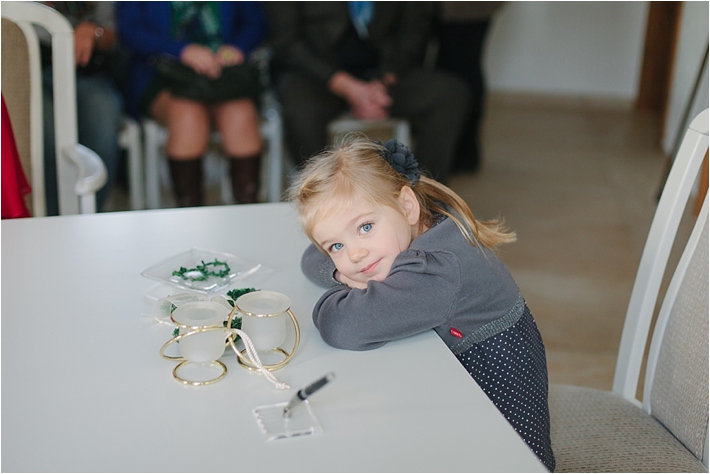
271 130
87 204
403 132
130 141
153 144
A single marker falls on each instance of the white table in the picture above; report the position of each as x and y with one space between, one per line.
85 389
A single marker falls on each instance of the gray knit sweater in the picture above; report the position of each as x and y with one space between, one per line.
464 293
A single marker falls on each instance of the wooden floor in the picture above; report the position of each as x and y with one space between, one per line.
578 182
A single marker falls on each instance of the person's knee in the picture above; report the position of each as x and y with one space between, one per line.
237 116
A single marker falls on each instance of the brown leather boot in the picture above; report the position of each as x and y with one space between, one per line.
187 181
245 174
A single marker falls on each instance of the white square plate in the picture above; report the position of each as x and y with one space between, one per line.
163 271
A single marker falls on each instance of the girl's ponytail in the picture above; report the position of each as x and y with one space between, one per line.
431 194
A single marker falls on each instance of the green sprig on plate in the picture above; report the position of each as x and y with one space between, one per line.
204 271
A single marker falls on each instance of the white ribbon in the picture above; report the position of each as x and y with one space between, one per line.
254 358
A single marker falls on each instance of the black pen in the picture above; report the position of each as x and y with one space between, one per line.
307 392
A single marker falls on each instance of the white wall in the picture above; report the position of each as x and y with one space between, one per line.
567 48
691 47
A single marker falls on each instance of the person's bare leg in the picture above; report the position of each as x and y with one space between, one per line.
238 123
188 125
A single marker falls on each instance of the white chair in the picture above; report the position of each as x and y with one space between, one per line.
80 171
348 123
130 139
600 431
155 137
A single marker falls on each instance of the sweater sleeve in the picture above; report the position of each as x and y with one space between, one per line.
318 268
248 26
144 27
419 294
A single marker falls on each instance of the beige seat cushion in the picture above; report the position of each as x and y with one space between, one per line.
598 431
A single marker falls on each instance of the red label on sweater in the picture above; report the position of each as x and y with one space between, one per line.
455 332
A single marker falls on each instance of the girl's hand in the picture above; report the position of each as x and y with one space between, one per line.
84 42
229 55
347 281
202 60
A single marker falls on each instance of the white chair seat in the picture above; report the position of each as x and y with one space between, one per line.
587 435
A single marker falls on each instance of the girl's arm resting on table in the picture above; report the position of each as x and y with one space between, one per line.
419 294
318 268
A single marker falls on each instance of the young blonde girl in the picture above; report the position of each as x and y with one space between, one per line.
401 254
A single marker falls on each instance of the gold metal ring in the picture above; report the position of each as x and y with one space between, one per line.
195 330
245 362
195 383
184 362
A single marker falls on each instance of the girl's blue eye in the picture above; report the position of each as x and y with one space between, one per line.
336 247
366 227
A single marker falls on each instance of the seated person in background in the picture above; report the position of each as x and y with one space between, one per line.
331 57
99 102
208 37
461 29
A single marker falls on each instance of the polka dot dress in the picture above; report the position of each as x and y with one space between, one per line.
511 368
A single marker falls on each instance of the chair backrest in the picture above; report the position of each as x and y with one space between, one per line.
676 379
21 88
65 115
676 386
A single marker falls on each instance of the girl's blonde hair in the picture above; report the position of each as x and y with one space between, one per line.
330 181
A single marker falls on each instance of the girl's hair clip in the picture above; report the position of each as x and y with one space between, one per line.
401 158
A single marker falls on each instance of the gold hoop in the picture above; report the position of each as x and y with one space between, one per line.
196 330
196 383
246 363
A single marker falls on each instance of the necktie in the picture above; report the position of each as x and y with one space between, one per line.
361 15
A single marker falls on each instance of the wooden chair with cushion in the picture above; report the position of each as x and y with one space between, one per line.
601 431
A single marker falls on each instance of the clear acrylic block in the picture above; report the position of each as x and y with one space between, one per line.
274 425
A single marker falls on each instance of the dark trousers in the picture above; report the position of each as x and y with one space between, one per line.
434 102
461 52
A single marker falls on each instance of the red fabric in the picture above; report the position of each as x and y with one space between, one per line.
14 182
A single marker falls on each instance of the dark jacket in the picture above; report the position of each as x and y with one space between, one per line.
305 35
